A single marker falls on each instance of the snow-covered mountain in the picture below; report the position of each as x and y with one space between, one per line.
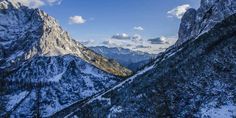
42 69
26 33
133 60
195 78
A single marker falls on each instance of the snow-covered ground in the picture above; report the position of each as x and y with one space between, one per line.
14 56
225 111
57 77
113 110
15 99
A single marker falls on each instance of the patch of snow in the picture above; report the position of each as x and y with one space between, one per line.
219 86
14 56
4 66
105 99
90 87
188 25
89 70
170 55
87 93
75 116
116 109
57 77
54 106
50 109
27 105
15 99
113 110
88 82
6 43
226 111
139 96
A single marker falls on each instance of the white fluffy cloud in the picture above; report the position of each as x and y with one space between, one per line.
138 28
125 36
159 40
178 11
76 20
122 36
38 3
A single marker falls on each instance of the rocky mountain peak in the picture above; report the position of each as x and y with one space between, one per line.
26 33
196 22
5 4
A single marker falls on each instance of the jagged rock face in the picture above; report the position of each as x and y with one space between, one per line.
133 60
187 25
25 33
197 22
196 79
20 28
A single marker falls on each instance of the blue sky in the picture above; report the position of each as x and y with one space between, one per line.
105 18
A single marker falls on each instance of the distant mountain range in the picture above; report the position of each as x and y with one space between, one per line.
133 60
